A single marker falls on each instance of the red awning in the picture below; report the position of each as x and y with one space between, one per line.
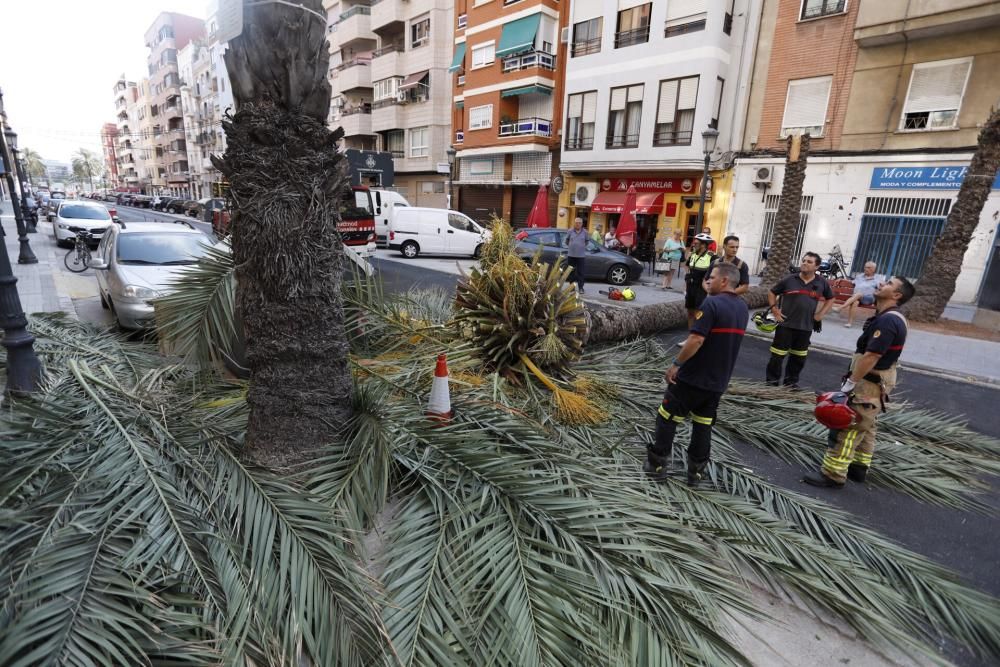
646 203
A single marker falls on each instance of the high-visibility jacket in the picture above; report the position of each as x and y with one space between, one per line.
700 262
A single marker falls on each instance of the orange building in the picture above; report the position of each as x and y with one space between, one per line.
507 92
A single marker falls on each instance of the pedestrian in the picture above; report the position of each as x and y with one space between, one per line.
610 239
673 250
711 246
730 246
596 237
577 251
868 384
865 287
698 263
805 300
700 374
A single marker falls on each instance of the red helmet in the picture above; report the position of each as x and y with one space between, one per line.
832 411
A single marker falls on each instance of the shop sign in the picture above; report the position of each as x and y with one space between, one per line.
921 178
681 185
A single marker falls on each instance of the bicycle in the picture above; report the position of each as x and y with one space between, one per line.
77 259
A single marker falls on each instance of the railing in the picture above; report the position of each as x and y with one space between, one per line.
823 9
585 47
509 2
459 136
397 155
463 20
352 63
630 37
388 48
684 28
672 138
351 111
387 102
539 127
460 80
579 143
363 10
622 141
530 59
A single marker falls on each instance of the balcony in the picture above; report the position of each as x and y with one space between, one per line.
579 143
887 22
387 62
530 59
388 115
535 127
355 74
355 24
631 37
385 15
356 120
622 141
585 47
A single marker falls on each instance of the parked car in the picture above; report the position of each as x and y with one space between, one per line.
55 199
158 202
141 201
195 209
435 231
135 263
209 207
601 265
179 205
73 216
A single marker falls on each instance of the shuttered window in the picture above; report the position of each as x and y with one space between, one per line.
481 118
675 112
483 55
624 114
805 106
683 12
935 94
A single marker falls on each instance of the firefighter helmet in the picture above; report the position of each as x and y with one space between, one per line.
764 321
833 410
628 294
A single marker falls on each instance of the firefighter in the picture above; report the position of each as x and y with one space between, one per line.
805 300
698 263
700 374
869 382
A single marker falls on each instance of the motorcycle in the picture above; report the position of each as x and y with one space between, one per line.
831 268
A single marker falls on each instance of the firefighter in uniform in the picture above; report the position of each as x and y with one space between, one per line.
868 384
798 316
698 263
700 374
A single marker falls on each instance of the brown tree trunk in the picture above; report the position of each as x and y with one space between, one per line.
286 182
937 283
786 221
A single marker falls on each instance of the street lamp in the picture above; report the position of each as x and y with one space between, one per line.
451 168
708 139
29 226
25 255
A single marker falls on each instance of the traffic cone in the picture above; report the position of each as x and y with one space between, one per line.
439 406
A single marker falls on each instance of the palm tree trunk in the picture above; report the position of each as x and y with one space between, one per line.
937 284
786 221
286 184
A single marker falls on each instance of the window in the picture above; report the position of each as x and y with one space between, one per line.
675 112
935 95
481 118
394 141
717 102
587 37
419 142
420 31
633 26
460 222
432 187
685 16
805 106
812 9
483 55
623 117
580 121
386 89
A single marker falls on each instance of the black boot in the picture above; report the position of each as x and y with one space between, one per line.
819 479
857 472
657 467
696 472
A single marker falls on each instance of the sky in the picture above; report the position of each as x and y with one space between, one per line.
60 59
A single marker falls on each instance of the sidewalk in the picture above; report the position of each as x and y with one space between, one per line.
36 283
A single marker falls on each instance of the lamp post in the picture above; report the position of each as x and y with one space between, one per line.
708 139
25 255
451 168
29 226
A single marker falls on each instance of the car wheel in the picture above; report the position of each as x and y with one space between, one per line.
410 250
478 252
618 274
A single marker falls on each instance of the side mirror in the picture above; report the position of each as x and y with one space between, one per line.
116 219
98 264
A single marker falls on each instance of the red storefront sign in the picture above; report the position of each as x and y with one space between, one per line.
679 184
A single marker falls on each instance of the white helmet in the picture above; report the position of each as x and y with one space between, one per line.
704 238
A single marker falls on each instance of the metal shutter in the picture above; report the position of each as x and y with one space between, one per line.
481 202
590 107
806 103
668 101
522 199
618 97
937 86
688 97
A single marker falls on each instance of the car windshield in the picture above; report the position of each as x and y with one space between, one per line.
84 212
160 249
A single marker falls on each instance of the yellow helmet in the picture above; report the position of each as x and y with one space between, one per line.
628 294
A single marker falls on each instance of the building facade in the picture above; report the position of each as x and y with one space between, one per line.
109 148
128 155
644 80
169 162
508 71
892 95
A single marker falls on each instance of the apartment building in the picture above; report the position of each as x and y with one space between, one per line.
508 73
169 34
109 149
892 95
644 81
141 116
128 156
391 91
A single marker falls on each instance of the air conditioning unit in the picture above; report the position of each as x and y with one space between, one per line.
401 96
585 193
763 175
564 36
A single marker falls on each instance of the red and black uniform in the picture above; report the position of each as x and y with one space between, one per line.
798 300
702 379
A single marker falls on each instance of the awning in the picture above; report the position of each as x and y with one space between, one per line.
460 104
646 203
412 80
526 90
459 59
519 36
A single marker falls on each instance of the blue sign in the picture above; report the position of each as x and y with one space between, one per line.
921 178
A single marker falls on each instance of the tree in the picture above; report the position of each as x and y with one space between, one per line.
786 220
86 166
937 283
287 181
35 166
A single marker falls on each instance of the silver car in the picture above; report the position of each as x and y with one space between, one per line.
74 215
135 263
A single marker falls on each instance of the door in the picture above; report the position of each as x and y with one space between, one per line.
521 202
481 203
433 228
693 228
102 253
462 235
989 294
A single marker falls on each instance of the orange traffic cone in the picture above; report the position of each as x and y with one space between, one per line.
439 406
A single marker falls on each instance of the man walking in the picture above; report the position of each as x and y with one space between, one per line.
730 246
865 287
868 384
801 295
698 264
700 374
577 251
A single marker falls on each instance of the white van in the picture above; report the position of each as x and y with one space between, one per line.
385 202
435 231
